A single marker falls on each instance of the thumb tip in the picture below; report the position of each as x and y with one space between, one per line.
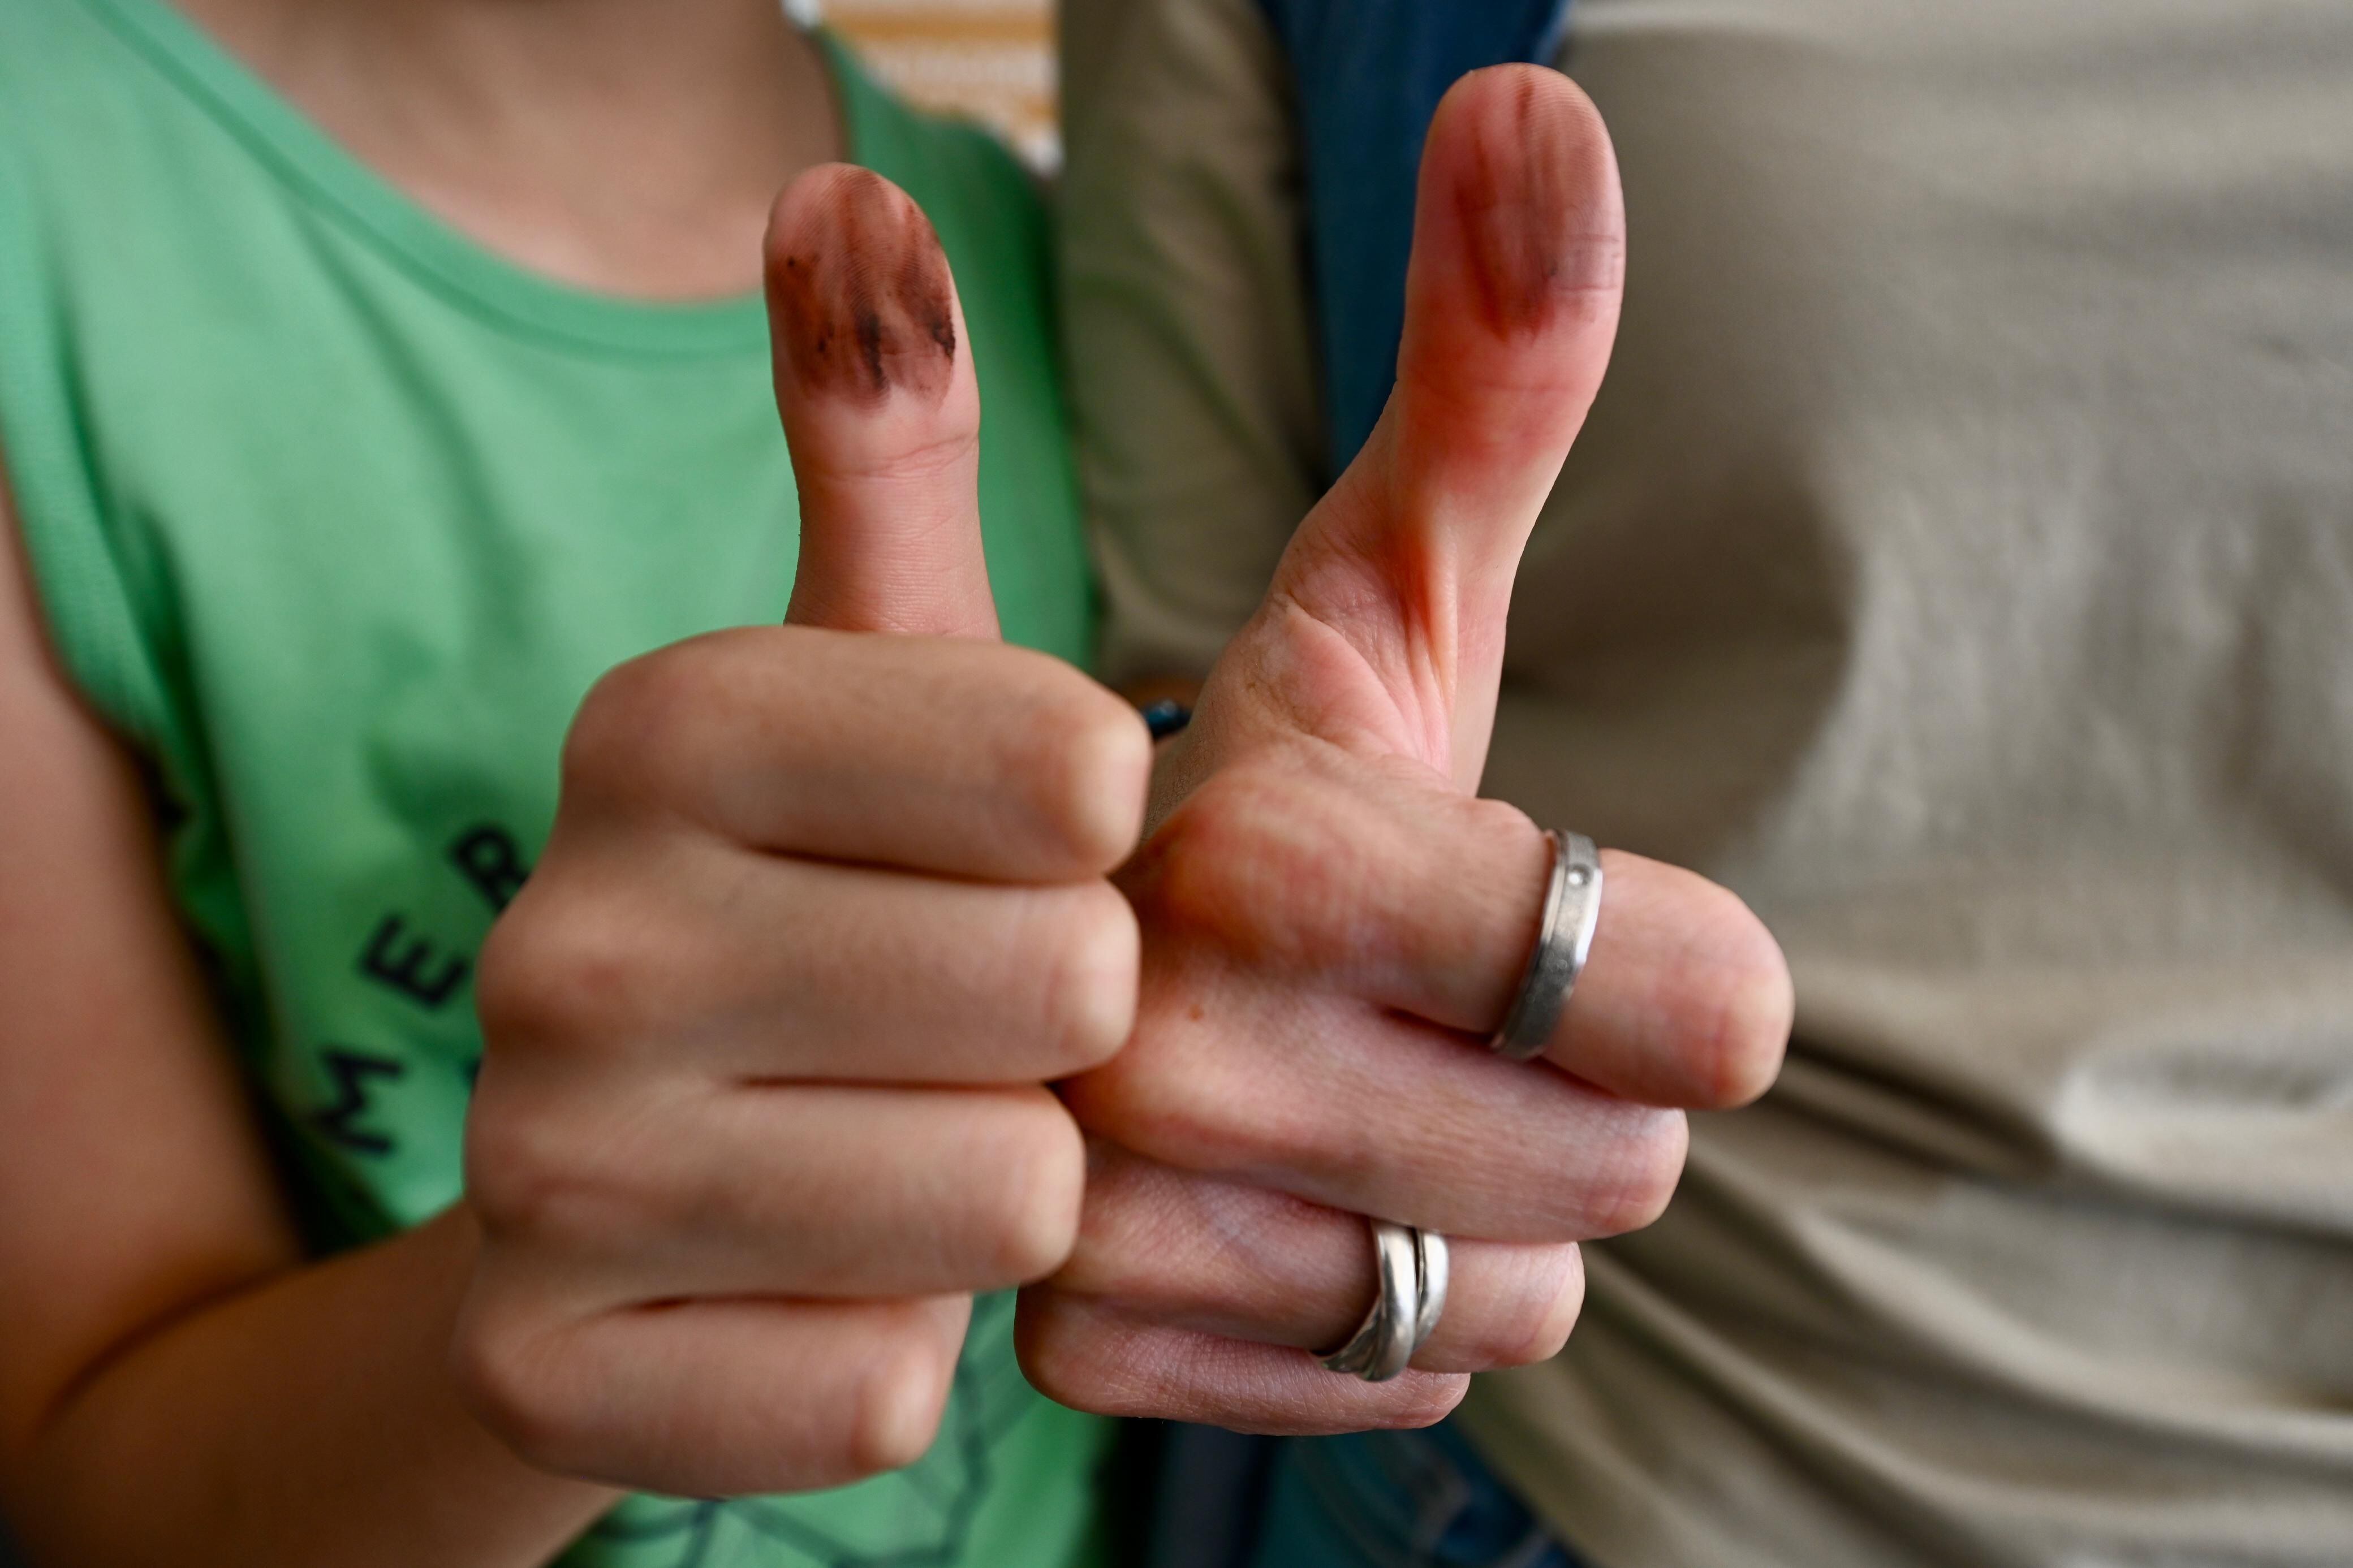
861 299
1518 156
880 407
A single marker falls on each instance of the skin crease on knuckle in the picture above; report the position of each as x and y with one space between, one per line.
1259 863
1197 1251
1346 875
513 1169
566 971
608 1185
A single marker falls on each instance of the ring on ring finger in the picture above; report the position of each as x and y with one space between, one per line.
1411 1269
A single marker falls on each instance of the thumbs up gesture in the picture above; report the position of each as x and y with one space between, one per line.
767 1033
828 906
1334 924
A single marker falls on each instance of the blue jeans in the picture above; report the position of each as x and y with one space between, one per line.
1396 1499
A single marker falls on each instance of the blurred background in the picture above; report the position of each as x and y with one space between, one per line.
991 60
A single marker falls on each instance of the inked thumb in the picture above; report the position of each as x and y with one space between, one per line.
875 386
1511 308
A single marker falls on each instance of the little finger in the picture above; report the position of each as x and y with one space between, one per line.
712 1398
1091 1356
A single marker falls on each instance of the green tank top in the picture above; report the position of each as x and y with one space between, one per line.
336 516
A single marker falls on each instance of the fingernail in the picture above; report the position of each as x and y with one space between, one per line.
1536 193
859 290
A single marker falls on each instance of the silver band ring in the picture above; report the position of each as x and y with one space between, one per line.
1410 1270
1434 1267
1572 907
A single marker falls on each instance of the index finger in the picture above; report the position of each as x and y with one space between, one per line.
948 755
1379 884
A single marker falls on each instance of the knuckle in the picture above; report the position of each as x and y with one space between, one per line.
540 1175
1717 987
1085 760
628 721
562 973
1560 1311
1090 979
517 1172
895 1412
1075 1357
1074 760
511 985
1040 1183
516 990
1168 1098
1041 1343
1252 857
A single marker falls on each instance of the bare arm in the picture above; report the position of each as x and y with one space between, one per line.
161 1339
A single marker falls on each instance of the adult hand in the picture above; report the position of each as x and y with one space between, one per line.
1333 923
767 1033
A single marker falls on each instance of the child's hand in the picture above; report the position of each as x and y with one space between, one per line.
767 1030
1332 925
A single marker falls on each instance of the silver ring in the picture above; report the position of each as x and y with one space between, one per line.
1434 1267
1410 1269
1572 907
